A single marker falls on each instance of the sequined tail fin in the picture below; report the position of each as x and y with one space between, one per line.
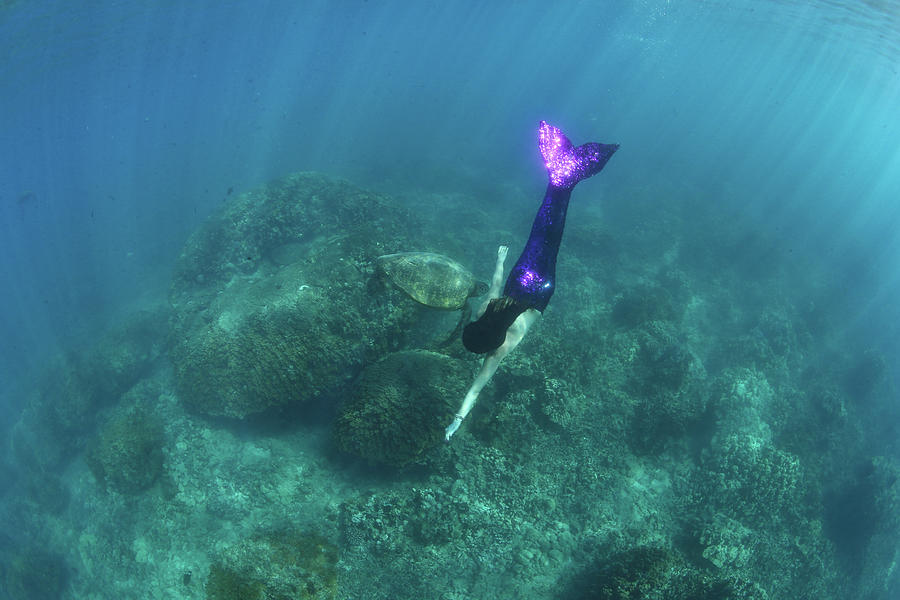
566 164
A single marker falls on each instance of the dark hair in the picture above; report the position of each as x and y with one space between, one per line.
489 332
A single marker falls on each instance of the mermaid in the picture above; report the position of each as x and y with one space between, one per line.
504 320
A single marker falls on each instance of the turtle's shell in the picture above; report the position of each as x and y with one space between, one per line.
429 278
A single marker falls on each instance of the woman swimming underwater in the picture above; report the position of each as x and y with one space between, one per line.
504 320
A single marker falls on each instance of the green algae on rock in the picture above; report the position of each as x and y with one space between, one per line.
275 566
248 363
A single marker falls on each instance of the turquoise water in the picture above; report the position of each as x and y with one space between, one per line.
192 402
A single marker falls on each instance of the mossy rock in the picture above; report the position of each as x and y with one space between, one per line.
225 584
126 454
400 406
280 565
283 355
272 309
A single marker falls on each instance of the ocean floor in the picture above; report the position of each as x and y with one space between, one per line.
687 420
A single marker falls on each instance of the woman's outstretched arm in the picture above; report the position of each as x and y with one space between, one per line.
496 281
514 335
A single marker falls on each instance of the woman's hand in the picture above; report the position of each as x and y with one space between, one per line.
452 427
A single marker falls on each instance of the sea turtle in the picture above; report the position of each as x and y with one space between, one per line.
433 280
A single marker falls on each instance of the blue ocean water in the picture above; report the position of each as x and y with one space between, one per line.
124 126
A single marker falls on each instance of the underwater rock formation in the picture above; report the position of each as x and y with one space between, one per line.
270 566
648 572
58 419
415 542
862 519
127 454
398 404
248 362
641 304
756 513
273 307
667 383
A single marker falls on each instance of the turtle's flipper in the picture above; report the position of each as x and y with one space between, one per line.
464 316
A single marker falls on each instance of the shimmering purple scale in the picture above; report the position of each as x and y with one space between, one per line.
531 281
566 164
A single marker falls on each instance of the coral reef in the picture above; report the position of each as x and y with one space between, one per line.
126 454
225 584
754 505
657 573
272 306
276 566
282 356
668 384
63 412
754 479
862 519
642 304
454 540
671 428
399 406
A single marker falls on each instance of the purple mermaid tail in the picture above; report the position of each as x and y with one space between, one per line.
533 278
566 164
